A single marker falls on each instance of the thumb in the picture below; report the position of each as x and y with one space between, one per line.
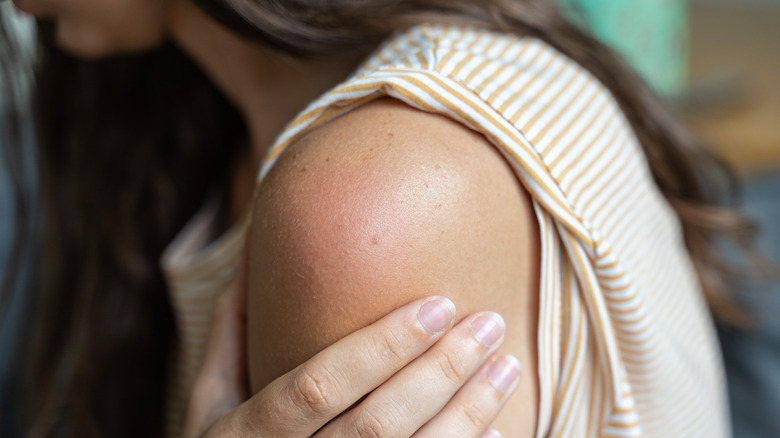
221 384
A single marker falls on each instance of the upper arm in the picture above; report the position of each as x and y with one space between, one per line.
379 207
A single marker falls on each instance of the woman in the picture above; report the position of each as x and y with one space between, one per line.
486 151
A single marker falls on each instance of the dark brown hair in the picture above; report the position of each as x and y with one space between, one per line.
128 148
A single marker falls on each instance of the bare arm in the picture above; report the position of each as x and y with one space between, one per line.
378 208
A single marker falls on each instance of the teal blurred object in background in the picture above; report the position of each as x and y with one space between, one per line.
652 35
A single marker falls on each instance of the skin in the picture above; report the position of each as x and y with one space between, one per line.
93 29
378 208
407 386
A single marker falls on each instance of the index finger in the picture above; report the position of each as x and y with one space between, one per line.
303 400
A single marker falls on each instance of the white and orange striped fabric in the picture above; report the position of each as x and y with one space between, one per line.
626 345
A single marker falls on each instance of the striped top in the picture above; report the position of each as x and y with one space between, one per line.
626 346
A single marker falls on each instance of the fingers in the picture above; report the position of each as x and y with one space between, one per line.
478 403
420 391
491 433
412 388
303 400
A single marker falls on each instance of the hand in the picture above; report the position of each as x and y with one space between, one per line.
409 374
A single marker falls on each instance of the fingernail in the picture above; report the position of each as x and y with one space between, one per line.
503 373
436 314
491 433
488 328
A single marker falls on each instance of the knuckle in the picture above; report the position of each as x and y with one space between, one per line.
390 347
453 366
369 423
315 390
477 416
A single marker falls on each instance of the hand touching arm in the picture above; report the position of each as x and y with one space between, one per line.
378 208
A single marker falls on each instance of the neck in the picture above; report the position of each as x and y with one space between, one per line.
268 88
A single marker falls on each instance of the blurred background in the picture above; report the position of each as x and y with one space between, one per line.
717 62
733 103
12 309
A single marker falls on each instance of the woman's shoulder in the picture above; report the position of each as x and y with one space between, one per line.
379 207
387 149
